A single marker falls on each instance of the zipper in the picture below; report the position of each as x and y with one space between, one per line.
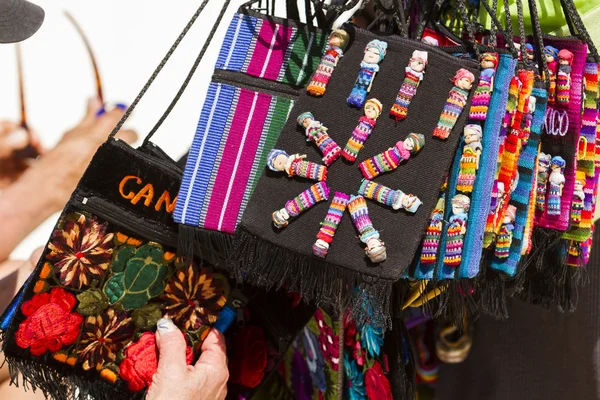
117 216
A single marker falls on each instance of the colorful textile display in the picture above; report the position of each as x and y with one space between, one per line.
433 234
469 162
456 230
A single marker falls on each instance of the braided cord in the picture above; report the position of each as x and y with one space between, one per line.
158 69
537 34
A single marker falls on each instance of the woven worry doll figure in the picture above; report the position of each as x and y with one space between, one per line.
483 93
433 234
412 77
390 159
330 224
551 55
295 165
563 80
505 236
374 54
542 181
526 131
317 133
557 181
578 198
469 162
457 98
338 40
305 200
456 230
363 130
396 199
375 247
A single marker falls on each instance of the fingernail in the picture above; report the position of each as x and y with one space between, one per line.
165 325
16 138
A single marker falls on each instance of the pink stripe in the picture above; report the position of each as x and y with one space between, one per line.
245 165
281 44
261 49
227 162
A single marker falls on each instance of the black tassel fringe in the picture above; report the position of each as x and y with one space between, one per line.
263 264
58 385
210 246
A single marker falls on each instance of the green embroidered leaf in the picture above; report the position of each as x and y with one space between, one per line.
121 258
143 276
146 317
91 302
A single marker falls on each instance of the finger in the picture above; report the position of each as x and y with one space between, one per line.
213 350
15 140
93 106
7 127
127 135
171 347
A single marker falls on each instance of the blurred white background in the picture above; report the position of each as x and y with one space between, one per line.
129 38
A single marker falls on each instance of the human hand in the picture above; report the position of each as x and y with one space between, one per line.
175 380
62 167
14 138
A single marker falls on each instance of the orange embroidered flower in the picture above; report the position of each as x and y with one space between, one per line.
81 250
194 297
141 362
103 336
50 324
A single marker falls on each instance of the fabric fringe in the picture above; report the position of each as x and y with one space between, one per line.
494 295
264 264
457 298
210 246
54 384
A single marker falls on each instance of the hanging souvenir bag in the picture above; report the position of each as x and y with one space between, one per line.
84 322
263 65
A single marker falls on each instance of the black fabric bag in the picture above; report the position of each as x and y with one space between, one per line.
270 257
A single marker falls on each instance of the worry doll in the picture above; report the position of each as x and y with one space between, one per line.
551 55
433 234
542 181
469 162
363 130
578 198
396 199
390 159
305 200
338 40
412 77
483 93
330 224
317 133
457 98
557 182
531 58
375 247
563 80
505 235
295 165
526 131
374 54
457 230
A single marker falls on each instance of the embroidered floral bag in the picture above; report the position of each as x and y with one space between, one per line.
84 322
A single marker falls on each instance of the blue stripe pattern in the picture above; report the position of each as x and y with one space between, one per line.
237 55
200 164
480 200
521 196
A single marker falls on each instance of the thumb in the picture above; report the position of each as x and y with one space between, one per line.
171 347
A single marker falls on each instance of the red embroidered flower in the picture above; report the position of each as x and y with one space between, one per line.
349 331
81 251
248 366
194 297
377 384
103 336
330 347
141 362
50 324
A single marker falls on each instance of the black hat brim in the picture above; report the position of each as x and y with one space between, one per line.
20 21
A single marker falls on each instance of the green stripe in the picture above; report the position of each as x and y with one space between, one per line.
294 69
280 115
